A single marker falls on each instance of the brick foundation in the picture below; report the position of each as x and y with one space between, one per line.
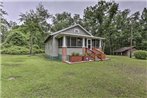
64 53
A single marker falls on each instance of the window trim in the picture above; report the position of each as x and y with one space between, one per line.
76 31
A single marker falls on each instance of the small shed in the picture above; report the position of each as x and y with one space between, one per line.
125 51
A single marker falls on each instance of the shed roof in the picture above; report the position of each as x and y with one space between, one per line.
124 49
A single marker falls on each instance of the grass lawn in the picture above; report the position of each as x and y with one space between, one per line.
37 77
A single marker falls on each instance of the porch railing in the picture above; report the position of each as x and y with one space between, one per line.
95 53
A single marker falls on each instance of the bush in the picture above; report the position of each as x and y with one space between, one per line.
75 54
140 54
37 50
5 45
15 50
36 46
18 50
16 38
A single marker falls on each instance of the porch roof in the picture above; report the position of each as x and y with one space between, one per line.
78 35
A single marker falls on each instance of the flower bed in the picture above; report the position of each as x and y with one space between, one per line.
86 58
75 57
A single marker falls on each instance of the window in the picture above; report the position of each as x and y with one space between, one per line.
79 42
73 41
60 42
76 30
97 43
68 41
93 43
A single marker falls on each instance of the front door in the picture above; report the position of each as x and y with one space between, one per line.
89 42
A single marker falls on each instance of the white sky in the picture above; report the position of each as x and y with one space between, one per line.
15 7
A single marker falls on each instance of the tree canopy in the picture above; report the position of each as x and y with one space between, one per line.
104 19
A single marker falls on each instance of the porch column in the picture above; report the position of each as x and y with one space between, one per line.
87 44
64 41
91 43
83 45
64 49
100 44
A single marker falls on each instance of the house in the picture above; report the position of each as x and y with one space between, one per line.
74 39
125 51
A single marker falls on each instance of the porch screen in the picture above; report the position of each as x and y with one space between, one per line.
73 41
95 43
60 42
79 42
68 41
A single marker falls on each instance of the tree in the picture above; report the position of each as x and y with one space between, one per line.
143 23
77 19
30 22
94 18
35 24
12 24
99 20
16 38
61 20
3 23
110 26
43 15
106 20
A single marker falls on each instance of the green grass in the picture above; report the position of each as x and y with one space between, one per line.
38 77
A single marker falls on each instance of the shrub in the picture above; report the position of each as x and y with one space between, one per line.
15 50
140 54
37 50
18 50
6 45
77 54
16 38
73 54
36 46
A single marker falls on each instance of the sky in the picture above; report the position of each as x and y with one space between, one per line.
15 7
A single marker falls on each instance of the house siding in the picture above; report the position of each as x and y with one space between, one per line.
71 30
51 47
71 50
55 47
48 47
60 51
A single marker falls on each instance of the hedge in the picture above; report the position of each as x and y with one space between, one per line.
140 54
18 50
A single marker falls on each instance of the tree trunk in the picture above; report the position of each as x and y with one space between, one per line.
110 45
31 43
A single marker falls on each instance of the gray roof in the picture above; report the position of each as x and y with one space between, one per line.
124 49
58 32
69 28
